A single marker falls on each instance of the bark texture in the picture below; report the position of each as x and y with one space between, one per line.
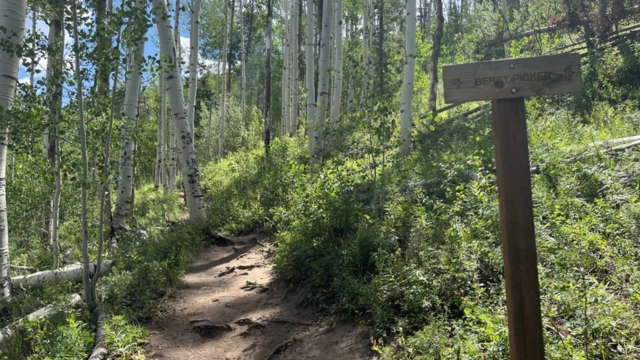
309 76
124 201
323 80
12 18
408 76
194 38
190 168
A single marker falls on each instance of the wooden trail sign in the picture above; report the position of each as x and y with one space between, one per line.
506 83
512 78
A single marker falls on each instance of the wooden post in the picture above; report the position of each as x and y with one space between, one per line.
518 237
506 83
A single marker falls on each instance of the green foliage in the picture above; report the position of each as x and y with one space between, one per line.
123 338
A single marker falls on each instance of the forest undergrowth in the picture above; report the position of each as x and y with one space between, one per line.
412 245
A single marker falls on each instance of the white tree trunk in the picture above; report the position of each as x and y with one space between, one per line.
124 202
157 178
52 118
365 54
194 38
223 109
86 276
190 169
72 272
350 95
12 18
309 80
42 313
295 38
323 79
284 123
243 61
336 98
164 176
176 35
406 98
173 161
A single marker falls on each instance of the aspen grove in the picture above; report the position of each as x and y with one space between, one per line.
137 135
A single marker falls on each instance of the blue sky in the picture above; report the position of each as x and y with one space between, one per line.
150 46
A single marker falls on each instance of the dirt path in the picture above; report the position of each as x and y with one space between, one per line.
232 309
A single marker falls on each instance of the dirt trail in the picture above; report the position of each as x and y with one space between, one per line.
232 309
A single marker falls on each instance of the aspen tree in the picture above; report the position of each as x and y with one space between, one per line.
164 174
12 19
180 123
86 280
323 80
406 98
194 38
284 123
295 35
55 69
244 77
224 88
365 55
337 68
267 86
435 55
309 73
124 201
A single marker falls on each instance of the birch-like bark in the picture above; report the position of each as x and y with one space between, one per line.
157 177
323 80
190 169
350 95
267 85
12 20
406 98
173 161
309 74
73 272
336 98
243 81
176 35
194 38
284 123
164 176
365 55
435 55
428 31
124 202
223 110
230 63
86 276
295 106
55 69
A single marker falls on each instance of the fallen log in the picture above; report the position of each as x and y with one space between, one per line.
614 141
70 272
42 313
585 20
100 348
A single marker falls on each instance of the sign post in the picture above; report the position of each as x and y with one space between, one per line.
506 83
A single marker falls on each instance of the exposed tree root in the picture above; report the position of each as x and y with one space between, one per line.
281 348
